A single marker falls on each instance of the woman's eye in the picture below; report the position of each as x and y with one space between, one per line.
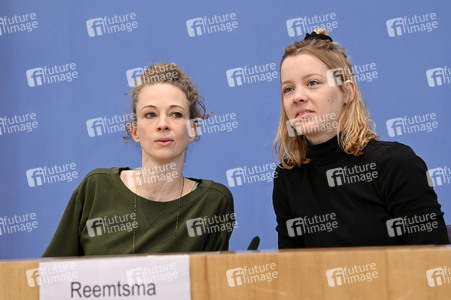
312 83
177 115
287 89
150 115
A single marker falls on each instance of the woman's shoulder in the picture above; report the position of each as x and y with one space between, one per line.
102 174
393 152
215 188
97 182
104 171
382 146
280 171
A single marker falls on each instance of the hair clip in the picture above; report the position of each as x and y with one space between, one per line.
316 36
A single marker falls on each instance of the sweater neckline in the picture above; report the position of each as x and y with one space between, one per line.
325 153
149 211
130 195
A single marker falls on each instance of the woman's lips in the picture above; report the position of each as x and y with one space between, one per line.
164 142
304 114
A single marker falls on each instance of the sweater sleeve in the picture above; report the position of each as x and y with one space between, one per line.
404 185
66 240
219 241
283 214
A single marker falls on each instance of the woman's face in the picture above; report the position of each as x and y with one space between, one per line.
162 113
311 104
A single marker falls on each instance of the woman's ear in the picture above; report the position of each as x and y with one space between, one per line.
134 131
192 131
348 91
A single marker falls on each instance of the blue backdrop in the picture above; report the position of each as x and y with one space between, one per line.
65 67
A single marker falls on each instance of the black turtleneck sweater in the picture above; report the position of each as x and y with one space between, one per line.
338 200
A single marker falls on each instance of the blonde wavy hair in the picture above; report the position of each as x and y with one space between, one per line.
355 128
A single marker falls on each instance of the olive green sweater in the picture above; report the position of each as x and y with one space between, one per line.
100 218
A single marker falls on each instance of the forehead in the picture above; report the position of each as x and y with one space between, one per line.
161 93
302 64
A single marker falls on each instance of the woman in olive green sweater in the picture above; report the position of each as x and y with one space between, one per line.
154 209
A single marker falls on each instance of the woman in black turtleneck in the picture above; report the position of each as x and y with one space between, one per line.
336 185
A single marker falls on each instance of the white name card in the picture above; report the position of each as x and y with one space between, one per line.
148 277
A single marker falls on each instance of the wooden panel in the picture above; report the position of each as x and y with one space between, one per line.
333 273
14 284
407 273
199 280
297 274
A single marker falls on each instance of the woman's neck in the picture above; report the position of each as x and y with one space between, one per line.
161 180
320 138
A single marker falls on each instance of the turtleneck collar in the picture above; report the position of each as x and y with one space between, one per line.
325 153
